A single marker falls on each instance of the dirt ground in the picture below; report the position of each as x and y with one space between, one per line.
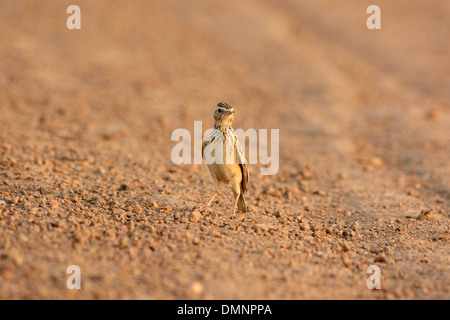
86 176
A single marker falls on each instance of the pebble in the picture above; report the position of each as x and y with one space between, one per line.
177 215
304 226
196 288
278 214
195 216
348 233
123 243
399 230
384 259
215 233
260 227
320 192
427 215
377 161
343 176
152 204
434 114
346 247
306 174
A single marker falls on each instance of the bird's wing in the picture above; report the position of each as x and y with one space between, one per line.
242 162
207 141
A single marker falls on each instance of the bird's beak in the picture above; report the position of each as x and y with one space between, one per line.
229 112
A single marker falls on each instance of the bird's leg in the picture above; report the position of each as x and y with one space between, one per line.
217 185
235 204
209 202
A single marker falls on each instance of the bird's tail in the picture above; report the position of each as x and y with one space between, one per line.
242 206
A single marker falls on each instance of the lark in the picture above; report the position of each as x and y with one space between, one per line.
225 158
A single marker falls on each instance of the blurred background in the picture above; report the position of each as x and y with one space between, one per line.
94 109
312 66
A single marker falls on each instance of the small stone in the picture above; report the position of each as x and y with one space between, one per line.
152 204
380 258
399 230
17 259
196 288
434 114
343 176
215 233
304 226
195 216
177 216
443 239
377 161
320 192
348 233
346 247
101 170
174 170
306 174
137 208
165 209
260 227
2 202
278 214
123 244
427 215
7 146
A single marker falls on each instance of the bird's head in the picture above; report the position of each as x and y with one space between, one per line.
223 116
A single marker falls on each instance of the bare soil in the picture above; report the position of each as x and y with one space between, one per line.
86 176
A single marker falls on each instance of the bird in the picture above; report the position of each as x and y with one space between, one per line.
225 159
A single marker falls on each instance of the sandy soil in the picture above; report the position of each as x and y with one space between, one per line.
86 177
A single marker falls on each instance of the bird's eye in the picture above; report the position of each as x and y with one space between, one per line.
219 110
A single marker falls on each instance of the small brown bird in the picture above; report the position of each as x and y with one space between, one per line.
223 154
